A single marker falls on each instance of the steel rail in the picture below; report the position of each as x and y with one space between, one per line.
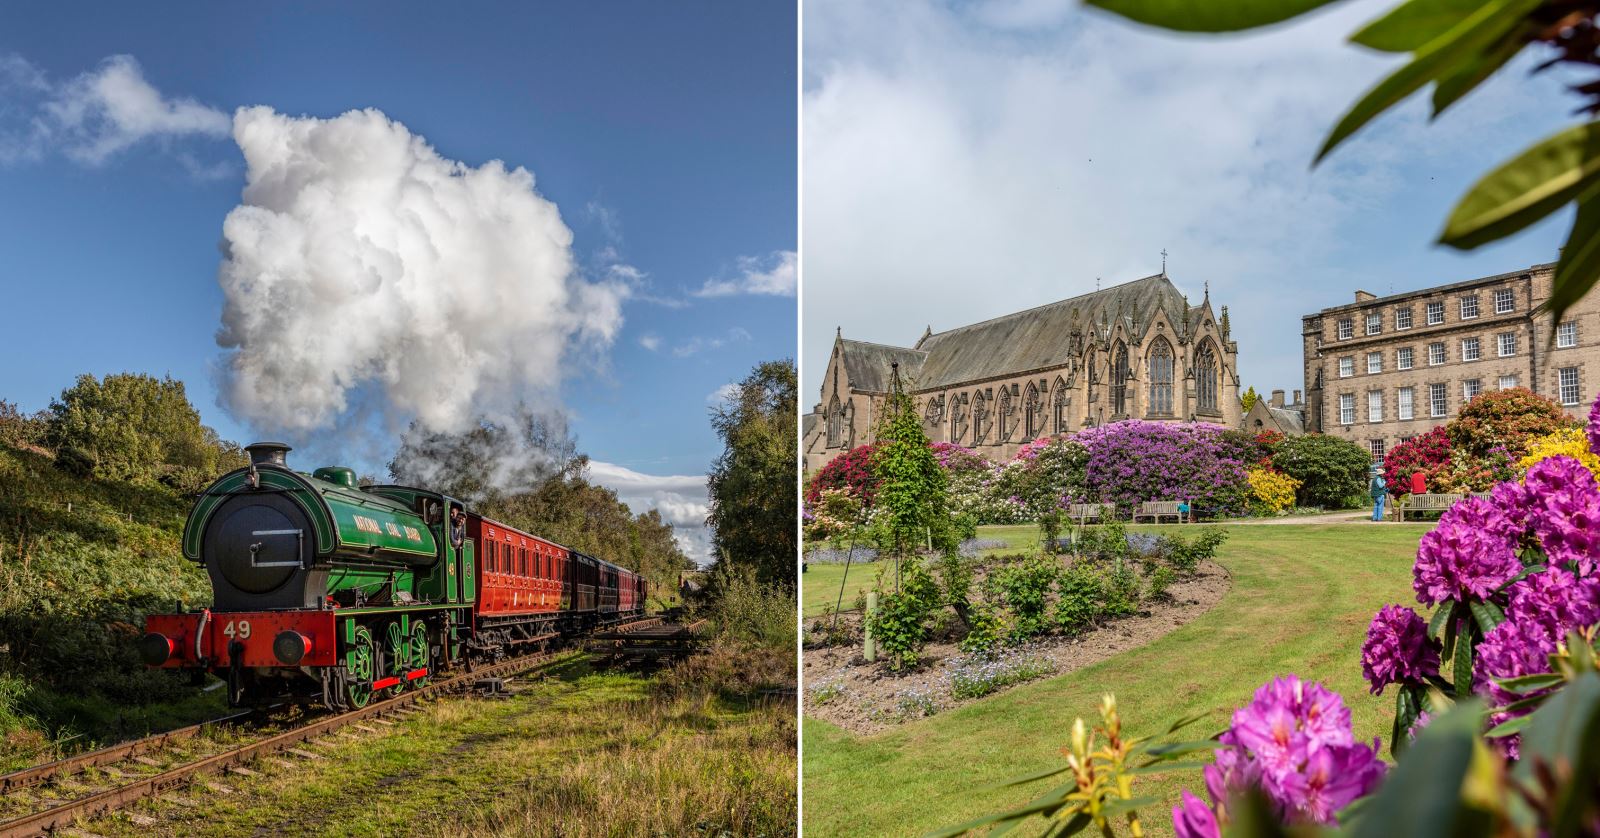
141 787
77 764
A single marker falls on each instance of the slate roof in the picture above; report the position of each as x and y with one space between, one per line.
867 364
1027 340
1291 419
808 421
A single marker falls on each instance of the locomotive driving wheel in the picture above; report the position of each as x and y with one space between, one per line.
420 655
360 668
397 654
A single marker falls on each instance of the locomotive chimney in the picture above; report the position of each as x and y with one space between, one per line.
268 454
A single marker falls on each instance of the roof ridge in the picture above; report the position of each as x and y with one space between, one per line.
884 345
1160 276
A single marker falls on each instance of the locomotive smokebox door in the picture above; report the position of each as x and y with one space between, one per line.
258 551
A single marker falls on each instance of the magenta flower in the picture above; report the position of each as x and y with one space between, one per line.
1194 819
1398 650
1563 506
1556 600
1470 554
1593 430
1422 721
1294 742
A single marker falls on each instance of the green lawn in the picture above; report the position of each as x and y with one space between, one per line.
1301 598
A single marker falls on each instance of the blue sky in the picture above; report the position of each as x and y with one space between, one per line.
664 133
967 160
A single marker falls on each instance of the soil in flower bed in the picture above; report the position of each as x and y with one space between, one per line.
845 690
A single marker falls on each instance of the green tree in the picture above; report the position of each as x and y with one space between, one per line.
487 462
1249 398
1456 45
913 491
752 485
135 428
1331 471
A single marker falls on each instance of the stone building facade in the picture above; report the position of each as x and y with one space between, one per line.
1274 414
1136 350
1381 370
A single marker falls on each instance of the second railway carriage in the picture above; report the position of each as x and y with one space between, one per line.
324 588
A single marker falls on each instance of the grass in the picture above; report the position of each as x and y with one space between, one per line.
582 754
1300 601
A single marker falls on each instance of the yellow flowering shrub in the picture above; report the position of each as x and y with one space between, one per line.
1568 441
1273 491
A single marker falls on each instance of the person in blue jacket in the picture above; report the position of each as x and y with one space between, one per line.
1380 492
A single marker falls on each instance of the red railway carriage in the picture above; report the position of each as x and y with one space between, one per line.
518 573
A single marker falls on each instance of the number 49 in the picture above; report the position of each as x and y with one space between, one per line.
242 632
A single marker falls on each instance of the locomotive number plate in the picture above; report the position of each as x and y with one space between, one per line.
237 629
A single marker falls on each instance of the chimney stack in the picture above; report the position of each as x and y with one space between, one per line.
1277 399
1363 296
1296 397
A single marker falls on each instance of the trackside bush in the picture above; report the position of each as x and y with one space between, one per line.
1330 470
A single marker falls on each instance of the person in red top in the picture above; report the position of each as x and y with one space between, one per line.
1419 483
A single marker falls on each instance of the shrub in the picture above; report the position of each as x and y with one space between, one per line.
1567 442
1121 591
1510 418
1078 598
1185 556
900 624
1273 491
746 612
852 469
1157 582
986 627
1045 474
1330 470
1023 588
1428 453
1135 461
133 428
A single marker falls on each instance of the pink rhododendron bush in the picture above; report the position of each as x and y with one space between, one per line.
1496 687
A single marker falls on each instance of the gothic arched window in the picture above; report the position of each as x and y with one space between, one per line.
1119 380
1205 374
835 419
1007 413
958 417
1061 403
1033 411
980 417
1161 378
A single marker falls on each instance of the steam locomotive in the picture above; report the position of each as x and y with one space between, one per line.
325 591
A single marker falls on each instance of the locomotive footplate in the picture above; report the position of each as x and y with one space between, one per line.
262 639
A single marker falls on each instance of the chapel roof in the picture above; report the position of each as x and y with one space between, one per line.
868 364
1038 337
1291 419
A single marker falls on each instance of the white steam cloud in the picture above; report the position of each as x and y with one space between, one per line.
366 278
92 117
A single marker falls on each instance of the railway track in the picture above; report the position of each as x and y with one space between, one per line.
130 787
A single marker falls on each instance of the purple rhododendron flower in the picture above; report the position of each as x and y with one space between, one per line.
1557 600
1563 505
1398 650
1422 721
1467 556
1194 819
1294 742
1593 430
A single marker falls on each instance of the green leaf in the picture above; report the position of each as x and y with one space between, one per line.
1172 749
1530 186
1163 767
1508 727
1208 15
1524 684
1422 796
1072 826
1526 572
1452 87
1118 807
1187 720
1462 670
1027 778
1409 26
1579 266
1564 736
1488 615
1436 623
1450 631
1440 57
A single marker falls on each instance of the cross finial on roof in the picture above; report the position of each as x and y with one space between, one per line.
1097 283
1163 261
1208 289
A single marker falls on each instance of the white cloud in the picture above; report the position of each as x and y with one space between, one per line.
682 500
650 342
773 275
96 115
964 161
722 395
699 344
368 281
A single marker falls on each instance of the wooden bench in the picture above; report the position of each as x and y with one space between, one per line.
1155 510
1083 513
1431 502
